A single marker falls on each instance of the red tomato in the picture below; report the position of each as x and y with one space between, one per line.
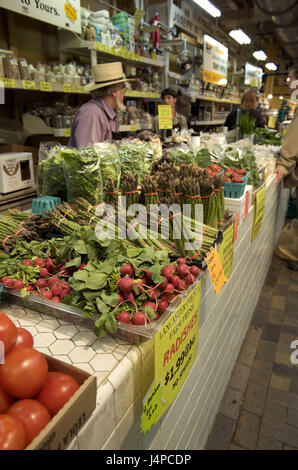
12 433
24 372
5 400
32 415
57 390
8 332
24 339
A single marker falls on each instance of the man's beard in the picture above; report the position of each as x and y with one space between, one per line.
120 106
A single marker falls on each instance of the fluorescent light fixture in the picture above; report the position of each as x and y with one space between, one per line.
260 55
240 36
270 97
209 8
271 66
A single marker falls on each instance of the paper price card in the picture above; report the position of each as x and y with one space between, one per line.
46 86
67 88
29 85
165 118
8 82
67 132
259 211
216 270
226 250
175 349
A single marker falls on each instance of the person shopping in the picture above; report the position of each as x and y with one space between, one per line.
169 97
287 166
249 104
97 120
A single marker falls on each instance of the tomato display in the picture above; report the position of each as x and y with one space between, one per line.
24 372
5 400
56 391
32 415
12 433
24 339
8 332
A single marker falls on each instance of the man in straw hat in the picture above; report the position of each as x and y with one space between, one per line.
97 120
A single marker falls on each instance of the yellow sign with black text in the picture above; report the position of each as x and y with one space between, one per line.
226 250
175 349
258 211
165 118
216 270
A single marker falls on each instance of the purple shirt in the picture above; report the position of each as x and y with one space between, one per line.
94 122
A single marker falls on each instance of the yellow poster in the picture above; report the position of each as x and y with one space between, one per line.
216 270
226 250
258 211
165 118
175 349
215 61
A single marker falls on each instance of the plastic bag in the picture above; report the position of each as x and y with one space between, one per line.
136 157
109 162
51 181
82 173
287 246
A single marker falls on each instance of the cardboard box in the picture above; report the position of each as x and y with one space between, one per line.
65 425
240 205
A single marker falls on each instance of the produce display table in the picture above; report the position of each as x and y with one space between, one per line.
125 371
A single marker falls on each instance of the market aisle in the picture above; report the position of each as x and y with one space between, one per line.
260 406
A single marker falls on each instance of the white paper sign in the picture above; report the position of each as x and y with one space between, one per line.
253 75
64 14
215 62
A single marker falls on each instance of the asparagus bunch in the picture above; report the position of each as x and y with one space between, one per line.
129 188
111 192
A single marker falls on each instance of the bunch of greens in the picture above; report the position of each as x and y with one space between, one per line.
51 181
181 154
267 137
247 124
243 159
82 173
109 162
136 157
203 158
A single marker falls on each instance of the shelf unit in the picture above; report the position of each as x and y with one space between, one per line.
208 123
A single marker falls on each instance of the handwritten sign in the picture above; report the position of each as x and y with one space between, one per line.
8 82
165 118
67 88
216 270
175 349
29 85
226 250
258 211
46 86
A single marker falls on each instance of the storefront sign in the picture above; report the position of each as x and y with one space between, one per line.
175 349
226 250
253 76
216 270
215 64
165 118
61 13
259 211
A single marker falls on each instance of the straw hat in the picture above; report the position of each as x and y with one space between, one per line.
106 75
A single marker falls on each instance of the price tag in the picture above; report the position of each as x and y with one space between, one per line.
29 85
226 250
9 82
272 122
259 211
133 71
236 224
67 132
46 86
165 118
175 349
216 270
77 89
133 128
247 204
70 12
67 88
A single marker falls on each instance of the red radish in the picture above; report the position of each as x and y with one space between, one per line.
126 284
18 284
65 285
52 281
151 305
162 306
124 317
29 288
169 289
168 271
56 290
181 261
175 280
194 270
153 293
39 262
121 299
182 270
46 293
56 299
139 318
167 297
8 282
27 262
164 284
50 265
189 279
40 283
181 285
126 270
82 266
43 272
63 293
129 296
148 274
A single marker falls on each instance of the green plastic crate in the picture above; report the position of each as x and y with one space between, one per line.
44 204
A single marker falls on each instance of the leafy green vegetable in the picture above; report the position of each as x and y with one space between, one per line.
136 158
109 162
247 124
268 137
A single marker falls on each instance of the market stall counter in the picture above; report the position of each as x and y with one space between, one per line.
125 371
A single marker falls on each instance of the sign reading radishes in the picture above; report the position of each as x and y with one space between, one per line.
62 13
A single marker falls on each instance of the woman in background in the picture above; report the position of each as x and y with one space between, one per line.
249 104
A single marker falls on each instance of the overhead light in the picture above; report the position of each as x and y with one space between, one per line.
260 55
270 97
240 36
209 8
288 79
281 97
271 66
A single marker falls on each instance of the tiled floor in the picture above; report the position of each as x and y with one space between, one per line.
260 406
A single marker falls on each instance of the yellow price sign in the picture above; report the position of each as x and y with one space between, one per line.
133 128
175 349
216 270
29 85
78 89
67 88
226 250
272 122
9 82
70 12
258 211
46 86
67 132
165 118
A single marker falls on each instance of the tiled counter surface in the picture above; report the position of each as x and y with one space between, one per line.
125 371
